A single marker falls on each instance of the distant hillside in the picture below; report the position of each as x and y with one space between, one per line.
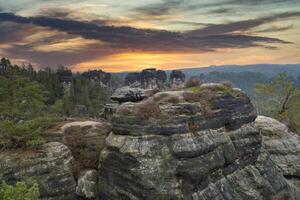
266 69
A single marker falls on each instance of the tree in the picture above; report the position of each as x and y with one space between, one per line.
279 99
20 98
276 95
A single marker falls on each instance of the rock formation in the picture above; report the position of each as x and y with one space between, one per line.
284 147
147 79
177 78
51 168
203 143
189 145
133 78
98 76
131 94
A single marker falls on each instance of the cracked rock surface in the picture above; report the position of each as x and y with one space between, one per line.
171 147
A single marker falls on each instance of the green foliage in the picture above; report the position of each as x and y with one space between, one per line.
273 99
20 98
24 134
280 100
58 108
19 192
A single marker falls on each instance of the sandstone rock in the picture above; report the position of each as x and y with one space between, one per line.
133 78
147 79
178 151
284 147
98 76
177 78
87 184
85 139
51 168
152 78
126 94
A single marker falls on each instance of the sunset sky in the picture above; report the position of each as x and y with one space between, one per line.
119 35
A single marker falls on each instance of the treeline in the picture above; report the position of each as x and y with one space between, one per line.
62 91
32 101
244 80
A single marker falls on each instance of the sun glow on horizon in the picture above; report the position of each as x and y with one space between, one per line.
136 61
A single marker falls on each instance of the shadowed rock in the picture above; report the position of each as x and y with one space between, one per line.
177 78
51 168
284 147
147 79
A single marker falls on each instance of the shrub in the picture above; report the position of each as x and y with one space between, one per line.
19 192
193 82
24 134
148 110
191 97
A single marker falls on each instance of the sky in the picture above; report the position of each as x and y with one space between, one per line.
119 35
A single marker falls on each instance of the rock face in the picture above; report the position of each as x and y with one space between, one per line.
173 146
133 78
87 184
98 76
131 94
177 78
51 168
86 140
147 79
284 147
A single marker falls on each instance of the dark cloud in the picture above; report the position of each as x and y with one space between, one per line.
123 39
220 11
147 39
275 29
241 26
169 7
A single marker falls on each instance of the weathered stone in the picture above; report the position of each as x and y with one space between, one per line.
147 79
85 139
98 76
178 151
283 145
177 78
129 94
51 168
87 184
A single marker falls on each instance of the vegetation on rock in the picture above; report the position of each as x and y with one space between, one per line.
20 191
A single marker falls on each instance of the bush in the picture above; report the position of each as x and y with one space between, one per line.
148 110
19 192
193 82
24 134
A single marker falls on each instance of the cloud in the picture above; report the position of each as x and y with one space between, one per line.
275 29
241 26
70 41
159 9
147 39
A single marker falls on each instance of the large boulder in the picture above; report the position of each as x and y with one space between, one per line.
283 145
86 139
131 94
199 144
51 168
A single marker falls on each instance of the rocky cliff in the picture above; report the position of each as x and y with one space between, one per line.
189 145
147 79
202 143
